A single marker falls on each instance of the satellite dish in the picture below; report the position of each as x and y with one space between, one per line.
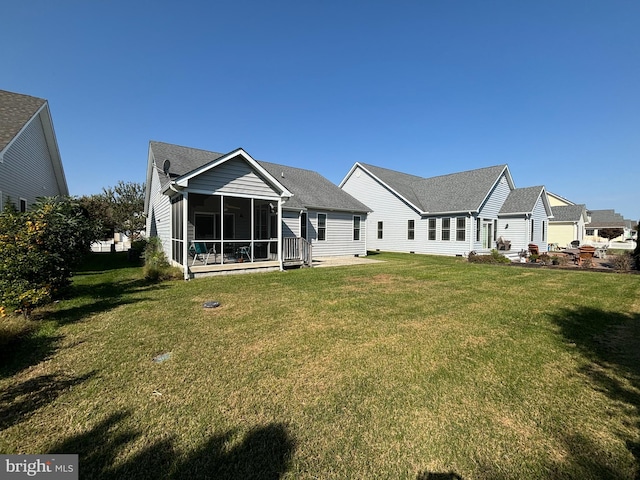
166 166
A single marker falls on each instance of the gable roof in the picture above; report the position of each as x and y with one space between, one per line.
312 190
569 213
305 188
455 192
16 110
561 199
523 201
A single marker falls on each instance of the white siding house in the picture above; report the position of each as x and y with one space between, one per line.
245 213
30 164
445 215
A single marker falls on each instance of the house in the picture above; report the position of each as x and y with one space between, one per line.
450 214
30 164
220 212
567 224
600 219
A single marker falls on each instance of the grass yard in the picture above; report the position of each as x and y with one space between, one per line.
417 368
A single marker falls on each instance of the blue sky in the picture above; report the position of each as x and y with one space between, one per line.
551 88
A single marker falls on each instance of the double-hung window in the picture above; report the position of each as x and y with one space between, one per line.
461 229
411 229
356 227
322 226
379 230
446 229
431 229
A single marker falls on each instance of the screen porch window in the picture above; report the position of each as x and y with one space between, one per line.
461 229
431 233
356 228
322 227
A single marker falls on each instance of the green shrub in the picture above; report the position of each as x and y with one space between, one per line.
38 251
156 266
544 259
494 257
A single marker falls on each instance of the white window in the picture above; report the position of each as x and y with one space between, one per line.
411 229
356 227
446 229
380 230
461 229
431 229
322 227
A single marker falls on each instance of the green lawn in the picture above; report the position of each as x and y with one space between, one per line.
420 367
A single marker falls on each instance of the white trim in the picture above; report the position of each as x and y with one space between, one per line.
183 181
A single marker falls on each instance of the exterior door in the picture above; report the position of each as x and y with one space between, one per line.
487 235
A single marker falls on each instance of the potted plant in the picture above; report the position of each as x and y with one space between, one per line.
533 258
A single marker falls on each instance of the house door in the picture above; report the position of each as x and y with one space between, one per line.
487 235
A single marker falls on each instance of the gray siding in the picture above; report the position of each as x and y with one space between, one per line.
395 214
159 215
233 177
27 170
490 209
339 235
388 208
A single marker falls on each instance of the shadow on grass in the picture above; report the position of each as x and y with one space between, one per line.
19 401
23 347
610 342
104 262
263 453
438 476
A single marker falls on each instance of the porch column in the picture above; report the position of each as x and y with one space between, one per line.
221 230
185 233
280 234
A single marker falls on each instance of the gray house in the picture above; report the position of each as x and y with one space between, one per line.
220 212
449 214
30 164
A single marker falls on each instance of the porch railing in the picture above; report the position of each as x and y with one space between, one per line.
297 249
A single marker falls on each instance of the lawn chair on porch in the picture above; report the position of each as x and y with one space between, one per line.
503 244
199 251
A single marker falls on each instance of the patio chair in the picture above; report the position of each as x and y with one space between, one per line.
503 244
575 244
199 250
586 253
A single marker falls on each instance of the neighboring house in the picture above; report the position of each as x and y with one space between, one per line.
568 224
630 229
30 164
599 219
556 200
248 213
449 214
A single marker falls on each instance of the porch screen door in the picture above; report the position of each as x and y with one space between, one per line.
177 232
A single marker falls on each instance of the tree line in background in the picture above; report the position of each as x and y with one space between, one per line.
40 248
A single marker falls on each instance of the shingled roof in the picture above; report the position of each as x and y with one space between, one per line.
568 213
309 188
605 219
521 200
456 192
16 110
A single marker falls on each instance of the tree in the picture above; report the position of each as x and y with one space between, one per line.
119 208
39 249
610 233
